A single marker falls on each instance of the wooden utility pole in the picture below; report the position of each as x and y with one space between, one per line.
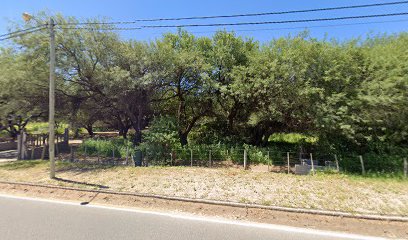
51 121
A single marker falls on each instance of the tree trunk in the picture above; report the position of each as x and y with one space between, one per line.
183 138
123 132
88 128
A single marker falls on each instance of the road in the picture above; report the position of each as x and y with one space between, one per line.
27 218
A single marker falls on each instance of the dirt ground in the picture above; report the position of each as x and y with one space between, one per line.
336 192
365 227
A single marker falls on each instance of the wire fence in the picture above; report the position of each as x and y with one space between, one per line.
274 161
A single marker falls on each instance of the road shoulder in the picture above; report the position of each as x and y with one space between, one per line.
357 226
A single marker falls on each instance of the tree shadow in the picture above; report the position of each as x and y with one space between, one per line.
81 183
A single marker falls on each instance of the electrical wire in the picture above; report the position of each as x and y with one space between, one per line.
272 13
305 27
240 15
245 23
276 22
22 30
102 29
21 34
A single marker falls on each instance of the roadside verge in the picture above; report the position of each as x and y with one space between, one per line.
387 226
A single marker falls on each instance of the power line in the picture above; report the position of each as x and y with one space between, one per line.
272 13
102 29
238 15
21 34
246 30
22 30
306 27
243 23
276 22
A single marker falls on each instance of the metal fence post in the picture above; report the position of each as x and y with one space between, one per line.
288 157
362 165
245 159
72 154
311 161
191 157
127 154
209 158
269 161
85 150
405 167
337 163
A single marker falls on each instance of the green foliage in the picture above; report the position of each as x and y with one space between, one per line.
159 139
294 93
105 148
292 138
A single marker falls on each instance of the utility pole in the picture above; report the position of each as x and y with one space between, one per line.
51 121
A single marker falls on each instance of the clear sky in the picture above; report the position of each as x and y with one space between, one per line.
128 10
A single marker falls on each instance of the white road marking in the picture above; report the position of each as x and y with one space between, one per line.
207 219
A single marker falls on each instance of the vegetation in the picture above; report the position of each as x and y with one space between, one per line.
183 90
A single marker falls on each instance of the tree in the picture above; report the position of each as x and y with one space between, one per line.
22 97
179 71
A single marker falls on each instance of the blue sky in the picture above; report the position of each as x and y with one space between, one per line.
127 10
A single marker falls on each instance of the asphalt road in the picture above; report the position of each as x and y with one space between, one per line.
24 218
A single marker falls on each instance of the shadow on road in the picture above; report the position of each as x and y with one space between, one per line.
82 183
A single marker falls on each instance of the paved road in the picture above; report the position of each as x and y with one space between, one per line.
22 218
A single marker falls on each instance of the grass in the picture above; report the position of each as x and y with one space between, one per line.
326 191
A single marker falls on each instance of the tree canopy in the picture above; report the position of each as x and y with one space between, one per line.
223 88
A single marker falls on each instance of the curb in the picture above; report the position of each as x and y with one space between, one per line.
228 204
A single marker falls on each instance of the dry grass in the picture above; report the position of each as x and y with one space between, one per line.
324 191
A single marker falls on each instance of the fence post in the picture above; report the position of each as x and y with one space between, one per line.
19 147
209 158
288 157
171 158
311 161
113 153
269 161
66 136
72 154
191 157
43 151
97 150
24 153
127 153
85 150
245 159
362 165
32 152
405 167
337 163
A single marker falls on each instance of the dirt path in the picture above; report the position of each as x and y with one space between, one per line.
368 227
